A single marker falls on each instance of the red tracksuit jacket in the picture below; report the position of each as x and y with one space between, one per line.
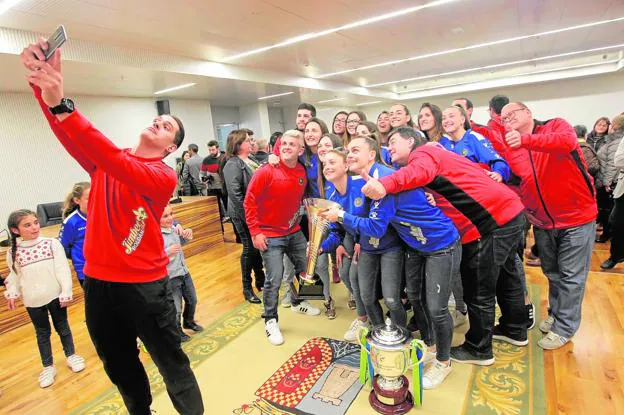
123 241
468 196
273 200
555 186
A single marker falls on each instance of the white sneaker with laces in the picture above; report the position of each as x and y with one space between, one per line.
435 375
46 378
352 334
306 308
273 332
552 341
545 325
76 363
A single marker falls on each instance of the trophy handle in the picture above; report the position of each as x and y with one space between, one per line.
419 344
361 336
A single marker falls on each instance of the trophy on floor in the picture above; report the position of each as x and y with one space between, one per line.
307 285
387 353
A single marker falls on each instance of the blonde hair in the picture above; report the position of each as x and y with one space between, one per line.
69 205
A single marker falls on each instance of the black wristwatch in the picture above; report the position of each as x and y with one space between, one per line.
65 107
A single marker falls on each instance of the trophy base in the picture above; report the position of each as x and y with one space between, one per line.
387 402
303 291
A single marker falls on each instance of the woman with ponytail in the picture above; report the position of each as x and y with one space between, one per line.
40 275
74 226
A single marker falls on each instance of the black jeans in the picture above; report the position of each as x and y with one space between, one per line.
490 270
617 226
39 318
119 312
250 257
429 278
605 206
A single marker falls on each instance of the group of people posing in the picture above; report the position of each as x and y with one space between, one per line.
427 210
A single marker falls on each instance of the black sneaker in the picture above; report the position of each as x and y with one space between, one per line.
530 316
193 326
499 334
610 263
184 337
461 355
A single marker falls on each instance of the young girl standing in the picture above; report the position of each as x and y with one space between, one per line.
72 233
40 274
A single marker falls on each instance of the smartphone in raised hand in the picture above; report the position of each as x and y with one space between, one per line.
55 41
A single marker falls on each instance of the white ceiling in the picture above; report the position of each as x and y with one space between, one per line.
114 43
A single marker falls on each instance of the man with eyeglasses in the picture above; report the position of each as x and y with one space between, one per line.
559 197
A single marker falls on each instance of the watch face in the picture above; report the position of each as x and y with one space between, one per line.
69 104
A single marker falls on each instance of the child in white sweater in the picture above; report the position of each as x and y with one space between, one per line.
40 274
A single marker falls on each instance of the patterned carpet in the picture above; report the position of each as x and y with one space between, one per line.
231 362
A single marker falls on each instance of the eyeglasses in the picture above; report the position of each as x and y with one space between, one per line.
511 116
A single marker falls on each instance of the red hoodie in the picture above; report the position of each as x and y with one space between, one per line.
487 204
273 200
555 186
123 241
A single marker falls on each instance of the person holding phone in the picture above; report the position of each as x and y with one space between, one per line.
126 289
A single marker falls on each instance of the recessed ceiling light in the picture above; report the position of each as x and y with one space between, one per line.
7 4
369 103
276 95
498 65
313 35
330 100
586 65
476 46
175 88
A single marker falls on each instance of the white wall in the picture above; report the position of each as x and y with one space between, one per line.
276 120
579 101
196 115
225 115
35 167
256 117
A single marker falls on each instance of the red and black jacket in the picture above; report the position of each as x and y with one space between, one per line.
555 186
467 195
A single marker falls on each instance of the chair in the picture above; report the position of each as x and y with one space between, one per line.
50 213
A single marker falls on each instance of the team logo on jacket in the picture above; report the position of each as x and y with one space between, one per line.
301 181
132 241
358 202
374 242
465 152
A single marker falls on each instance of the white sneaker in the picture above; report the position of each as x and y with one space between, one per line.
545 325
76 363
352 334
552 341
273 332
46 378
435 375
306 308
459 318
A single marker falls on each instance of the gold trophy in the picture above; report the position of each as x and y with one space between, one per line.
388 352
307 285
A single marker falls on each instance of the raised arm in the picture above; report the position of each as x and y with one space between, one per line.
376 224
77 154
562 139
420 171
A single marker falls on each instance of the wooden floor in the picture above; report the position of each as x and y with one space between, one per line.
584 377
